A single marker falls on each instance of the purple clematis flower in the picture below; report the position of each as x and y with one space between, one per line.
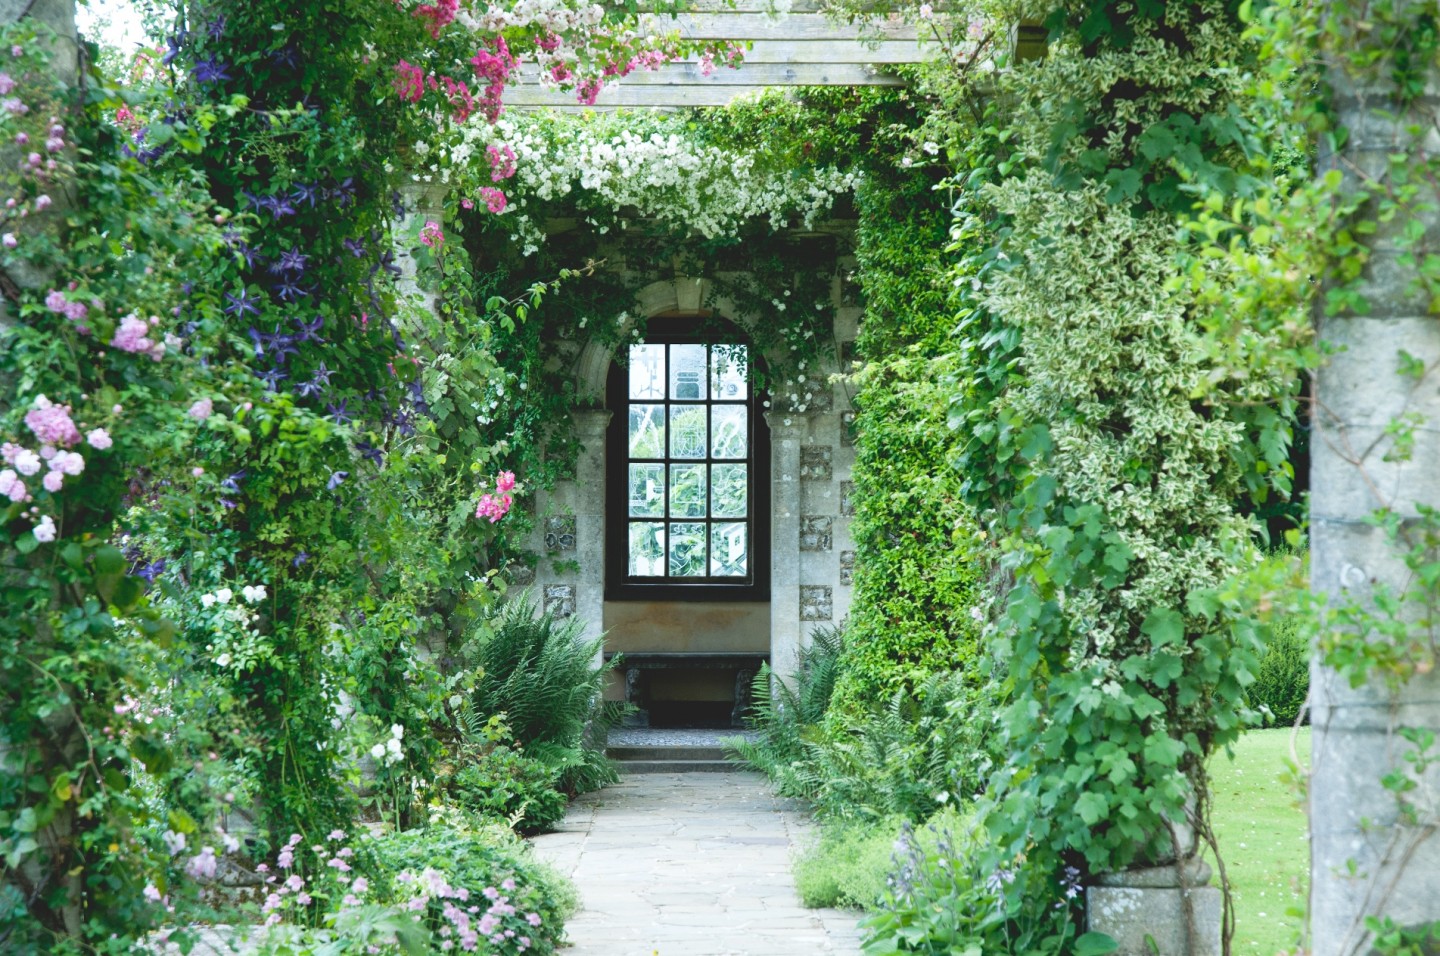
309 331
292 260
355 247
279 206
289 291
336 479
216 29
300 559
209 71
339 413
172 48
306 194
272 379
241 304
232 482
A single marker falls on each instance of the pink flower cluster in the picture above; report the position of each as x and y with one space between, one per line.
495 200
502 162
56 302
493 67
431 234
439 14
55 429
133 335
497 506
409 81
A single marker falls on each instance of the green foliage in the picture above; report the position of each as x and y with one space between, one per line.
785 716
944 897
1282 683
534 669
848 865
919 569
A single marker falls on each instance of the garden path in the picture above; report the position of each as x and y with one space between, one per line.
690 864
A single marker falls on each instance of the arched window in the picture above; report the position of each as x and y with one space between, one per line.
688 472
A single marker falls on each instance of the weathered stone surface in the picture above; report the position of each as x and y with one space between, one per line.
1133 916
847 498
847 429
689 864
847 567
817 533
560 599
817 462
560 533
817 602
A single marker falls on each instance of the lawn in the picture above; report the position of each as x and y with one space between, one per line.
1263 837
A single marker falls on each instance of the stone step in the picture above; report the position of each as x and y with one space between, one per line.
664 752
676 766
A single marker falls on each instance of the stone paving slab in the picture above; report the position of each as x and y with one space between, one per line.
692 864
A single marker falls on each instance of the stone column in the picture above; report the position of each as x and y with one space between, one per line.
787 433
589 509
1374 851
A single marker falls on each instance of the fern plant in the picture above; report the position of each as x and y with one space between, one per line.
784 715
537 670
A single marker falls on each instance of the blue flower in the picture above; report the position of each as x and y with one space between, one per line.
289 291
151 571
355 247
216 28
370 453
308 331
336 479
209 71
232 482
172 48
279 207
241 304
339 413
273 378
300 559
292 260
306 194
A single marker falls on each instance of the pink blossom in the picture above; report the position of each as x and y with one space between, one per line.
439 14
54 144
409 82
197 471
134 336
48 451
99 439
505 481
202 865
26 462
495 200
8 482
53 481
7 83
22 138
202 409
9 240
69 462
588 92
467 203
51 423
12 105
431 234
9 451
493 507
502 162
152 894
44 531
55 301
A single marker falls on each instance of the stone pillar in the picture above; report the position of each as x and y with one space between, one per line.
787 433
1374 851
423 201
589 510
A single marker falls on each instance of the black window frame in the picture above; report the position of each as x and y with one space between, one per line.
619 585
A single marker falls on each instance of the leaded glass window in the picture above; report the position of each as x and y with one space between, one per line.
688 477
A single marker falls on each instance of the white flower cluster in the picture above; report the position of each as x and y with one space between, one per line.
391 751
661 174
238 641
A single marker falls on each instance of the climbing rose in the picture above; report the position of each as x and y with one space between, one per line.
44 531
201 410
53 481
26 462
99 439
505 481
51 423
431 234
495 200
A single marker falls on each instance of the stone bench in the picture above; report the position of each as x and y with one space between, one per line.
638 666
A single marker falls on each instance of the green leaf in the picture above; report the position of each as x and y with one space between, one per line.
1164 626
1092 808
1095 944
109 560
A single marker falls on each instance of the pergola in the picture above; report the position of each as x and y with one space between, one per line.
801 48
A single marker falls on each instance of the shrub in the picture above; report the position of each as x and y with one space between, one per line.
536 671
1283 682
941 900
491 775
847 866
782 714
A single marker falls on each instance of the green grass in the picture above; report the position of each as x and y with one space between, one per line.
1263 838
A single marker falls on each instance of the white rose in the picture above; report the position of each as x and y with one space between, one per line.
377 751
224 595
207 599
397 731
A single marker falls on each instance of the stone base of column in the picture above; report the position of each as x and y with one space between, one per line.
1145 911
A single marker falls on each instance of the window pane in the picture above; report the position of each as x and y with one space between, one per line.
687 550
647 372
647 549
728 550
647 431
687 373
729 372
727 431
687 491
647 491
687 431
728 488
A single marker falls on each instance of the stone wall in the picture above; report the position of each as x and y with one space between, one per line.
811 553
